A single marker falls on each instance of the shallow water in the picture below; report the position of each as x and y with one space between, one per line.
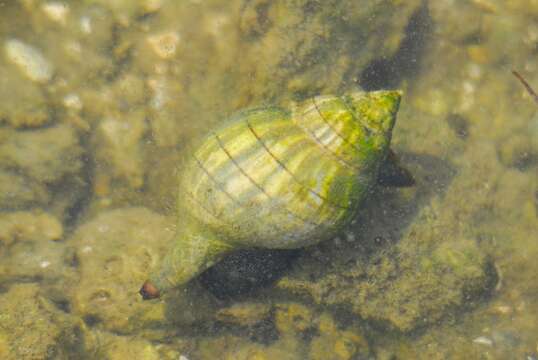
101 101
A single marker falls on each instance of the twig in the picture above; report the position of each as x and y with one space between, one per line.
527 86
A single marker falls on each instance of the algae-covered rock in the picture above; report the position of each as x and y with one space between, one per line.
119 150
229 347
293 318
334 343
244 314
73 39
519 150
20 192
41 168
30 246
404 276
28 226
23 102
32 328
289 49
329 342
43 260
106 345
46 155
114 251
120 138
126 9
405 288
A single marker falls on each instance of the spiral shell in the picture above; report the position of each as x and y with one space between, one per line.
277 178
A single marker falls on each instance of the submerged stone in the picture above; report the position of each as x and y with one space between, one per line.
31 327
406 270
29 60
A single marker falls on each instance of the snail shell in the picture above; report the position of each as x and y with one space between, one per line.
276 178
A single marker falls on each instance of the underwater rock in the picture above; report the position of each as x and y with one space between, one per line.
333 343
163 110
37 260
119 139
119 149
46 167
402 289
230 347
518 150
112 253
293 318
56 11
127 10
46 155
28 226
78 37
19 192
23 102
244 314
112 346
327 340
324 42
29 60
404 272
32 328
29 246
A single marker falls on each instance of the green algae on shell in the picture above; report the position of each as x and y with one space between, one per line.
276 178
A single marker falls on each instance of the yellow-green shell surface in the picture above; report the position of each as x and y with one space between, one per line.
282 179
278 178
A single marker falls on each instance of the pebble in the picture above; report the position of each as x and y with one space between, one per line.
165 44
482 340
151 6
56 11
503 310
86 25
72 101
29 60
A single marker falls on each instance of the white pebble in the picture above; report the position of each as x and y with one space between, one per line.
86 25
44 264
29 60
56 11
183 357
482 340
72 101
